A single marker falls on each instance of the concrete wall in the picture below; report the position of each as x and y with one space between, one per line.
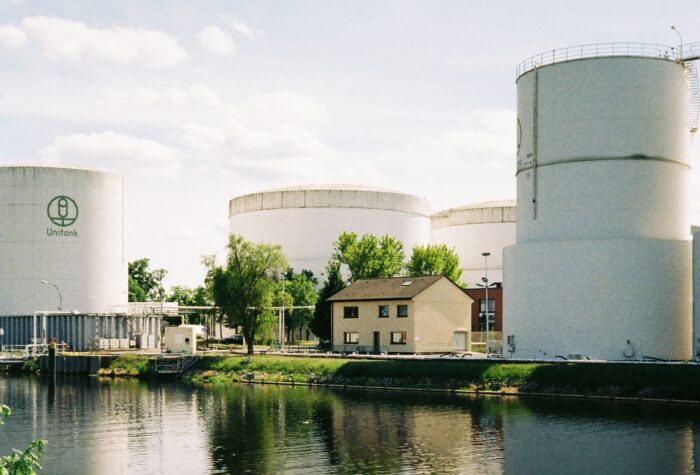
306 221
601 267
65 226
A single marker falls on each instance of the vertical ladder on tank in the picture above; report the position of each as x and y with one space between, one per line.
694 108
690 56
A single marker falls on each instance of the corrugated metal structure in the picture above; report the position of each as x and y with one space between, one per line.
473 229
61 240
83 332
307 220
602 264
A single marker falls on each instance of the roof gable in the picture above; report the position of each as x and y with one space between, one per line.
393 288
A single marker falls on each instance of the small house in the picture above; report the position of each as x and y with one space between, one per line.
401 315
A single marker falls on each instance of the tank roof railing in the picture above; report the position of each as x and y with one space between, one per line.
602 50
689 51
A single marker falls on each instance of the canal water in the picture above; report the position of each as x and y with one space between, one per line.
109 426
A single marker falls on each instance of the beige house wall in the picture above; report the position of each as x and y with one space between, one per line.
369 322
441 310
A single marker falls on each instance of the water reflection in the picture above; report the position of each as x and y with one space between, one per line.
125 426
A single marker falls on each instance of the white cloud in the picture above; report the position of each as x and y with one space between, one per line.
69 40
12 37
283 107
172 97
240 142
488 137
215 40
113 151
245 29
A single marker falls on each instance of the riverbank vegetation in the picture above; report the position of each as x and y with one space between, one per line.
635 380
680 381
127 365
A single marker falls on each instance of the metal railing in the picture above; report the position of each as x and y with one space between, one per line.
173 364
480 337
601 50
31 350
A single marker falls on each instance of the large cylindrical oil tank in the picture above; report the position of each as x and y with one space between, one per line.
695 230
473 229
61 240
307 220
602 263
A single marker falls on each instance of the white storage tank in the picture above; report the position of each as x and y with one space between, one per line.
61 240
307 220
695 230
602 264
473 229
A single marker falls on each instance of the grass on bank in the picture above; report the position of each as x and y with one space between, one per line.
127 365
633 380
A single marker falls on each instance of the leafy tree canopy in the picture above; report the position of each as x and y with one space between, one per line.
150 282
244 288
434 259
321 324
20 462
369 256
301 289
189 297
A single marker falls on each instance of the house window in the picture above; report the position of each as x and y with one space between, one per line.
402 311
489 304
398 338
383 311
350 312
351 338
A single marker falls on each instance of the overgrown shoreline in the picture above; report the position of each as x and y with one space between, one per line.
641 381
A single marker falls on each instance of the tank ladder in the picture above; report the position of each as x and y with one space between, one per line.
690 54
694 108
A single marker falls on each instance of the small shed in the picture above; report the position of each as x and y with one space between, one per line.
182 339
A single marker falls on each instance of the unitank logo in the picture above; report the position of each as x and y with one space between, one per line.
62 211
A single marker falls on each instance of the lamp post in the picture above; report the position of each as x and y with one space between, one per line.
680 47
60 297
485 280
281 315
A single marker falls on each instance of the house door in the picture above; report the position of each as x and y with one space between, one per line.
376 342
460 340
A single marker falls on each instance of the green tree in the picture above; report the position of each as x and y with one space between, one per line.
321 324
244 288
149 281
188 297
303 294
369 256
20 462
434 259
136 293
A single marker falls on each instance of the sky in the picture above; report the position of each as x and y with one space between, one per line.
198 102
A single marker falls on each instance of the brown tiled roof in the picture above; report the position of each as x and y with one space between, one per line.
385 289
